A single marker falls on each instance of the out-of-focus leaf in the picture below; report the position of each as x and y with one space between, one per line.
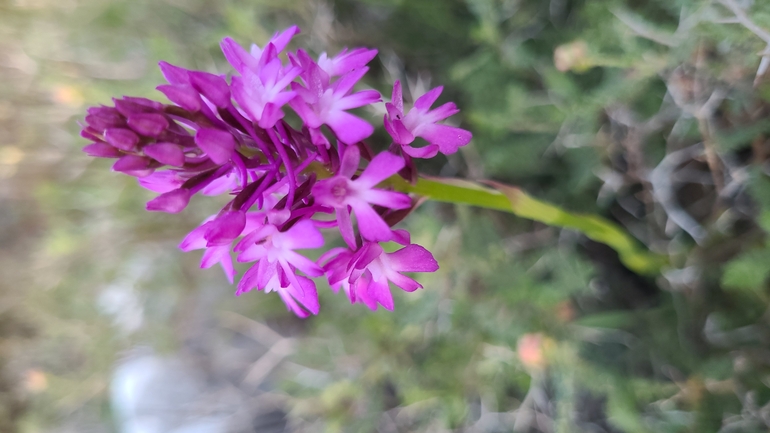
748 272
611 320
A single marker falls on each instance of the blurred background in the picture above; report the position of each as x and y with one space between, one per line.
653 113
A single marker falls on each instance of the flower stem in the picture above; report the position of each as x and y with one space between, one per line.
511 199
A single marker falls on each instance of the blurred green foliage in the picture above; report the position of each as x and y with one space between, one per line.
610 108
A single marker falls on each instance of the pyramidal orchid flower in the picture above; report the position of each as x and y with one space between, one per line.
277 263
346 61
260 90
220 252
284 181
343 193
365 274
421 122
243 60
322 103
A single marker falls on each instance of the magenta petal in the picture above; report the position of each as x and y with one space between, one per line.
371 225
101 118
161 181
171 202
130 163
282 39
210 258
271 114
265 271
247 281
292 305
167 153
428 151
405 283
174 74
401 236
345 225
412 258
380 291
345 62
102 150
398 131
302 235
359 99
124 139
221 185
380 168
238 57
148 124
268 74
147 103
389 199
126 106
194 240
349 163
425 101
250 253
304 111
359 292
225 228
218 145
367 254
397 98
348 128
442 112
213 87
244 92
447 138
346 82
303 264
309 300
219 255
257 235
227 266
90 133
182 95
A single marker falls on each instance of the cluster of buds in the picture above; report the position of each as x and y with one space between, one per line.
286 182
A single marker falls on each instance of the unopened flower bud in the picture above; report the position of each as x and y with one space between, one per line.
172 202
148 124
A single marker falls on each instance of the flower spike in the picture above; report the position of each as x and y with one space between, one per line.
220 136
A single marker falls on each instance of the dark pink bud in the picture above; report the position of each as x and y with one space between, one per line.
174 74
149 103
172 202
218 145
131 163
213 87
90 134
127 107
102 111
182 95
101 118
225 229
167 153
148 124
122 138
102 150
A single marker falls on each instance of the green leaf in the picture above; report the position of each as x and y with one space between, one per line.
748 272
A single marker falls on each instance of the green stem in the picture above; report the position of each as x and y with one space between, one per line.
514 200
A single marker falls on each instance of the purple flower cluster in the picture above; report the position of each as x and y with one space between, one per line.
286 182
